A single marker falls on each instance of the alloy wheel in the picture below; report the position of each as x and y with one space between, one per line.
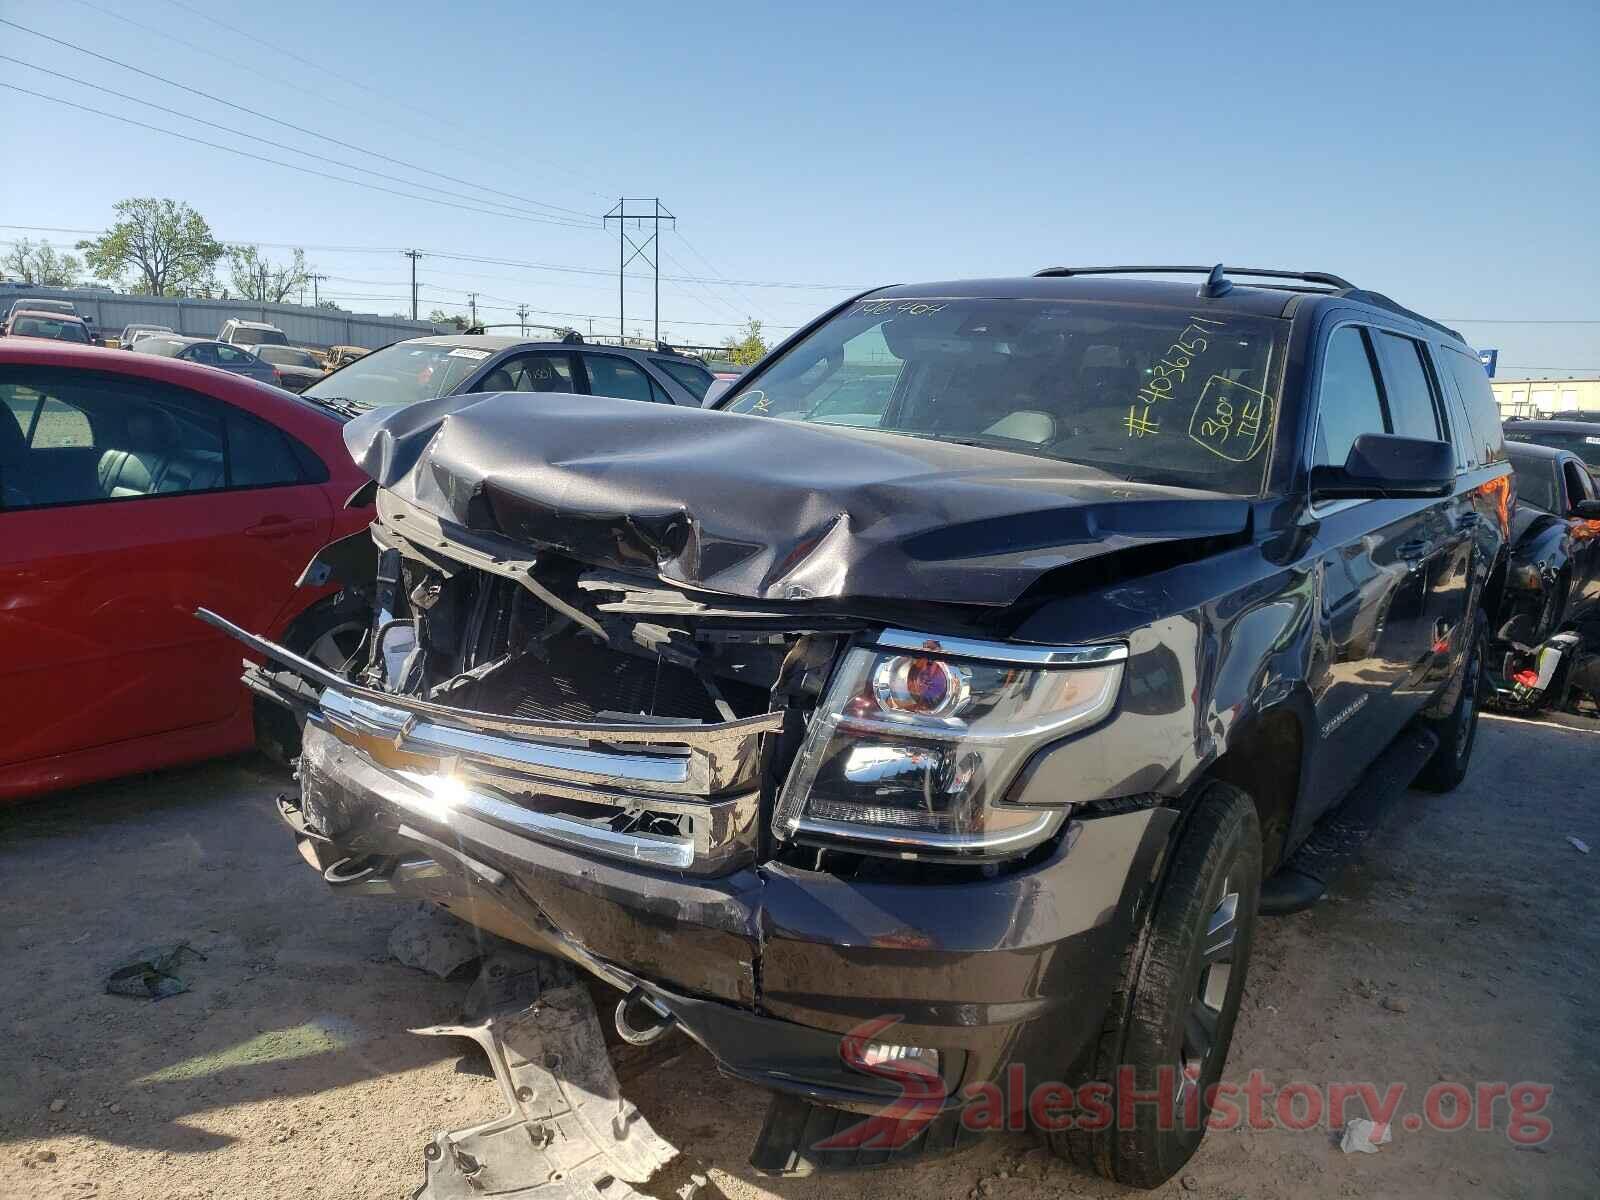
1204 1013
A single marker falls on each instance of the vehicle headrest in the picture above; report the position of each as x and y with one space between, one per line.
151 429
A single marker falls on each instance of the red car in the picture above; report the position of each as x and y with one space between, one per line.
133 490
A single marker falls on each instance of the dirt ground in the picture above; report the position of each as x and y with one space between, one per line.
287 1071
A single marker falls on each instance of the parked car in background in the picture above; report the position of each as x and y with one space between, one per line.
978 732
297 367
63 308
342 356
1587 416
1546 626
55 325
1580 437
251 334
452 364
132 488
132 333
208 353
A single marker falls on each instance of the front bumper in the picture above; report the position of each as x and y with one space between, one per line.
767 966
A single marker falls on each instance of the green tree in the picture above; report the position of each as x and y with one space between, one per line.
256 278
747 346
40 263
167 245
439 317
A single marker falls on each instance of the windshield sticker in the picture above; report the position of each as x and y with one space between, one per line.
467 352
754 401
1231 419
896 308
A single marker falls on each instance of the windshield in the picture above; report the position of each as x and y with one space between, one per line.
401 374
44 327
245 336
288 356
691 376
1142 392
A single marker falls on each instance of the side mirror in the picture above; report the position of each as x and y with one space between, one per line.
1386 465
1587 510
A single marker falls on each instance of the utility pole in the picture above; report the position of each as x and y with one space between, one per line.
649 249
316 299
413 255
522 315
472 302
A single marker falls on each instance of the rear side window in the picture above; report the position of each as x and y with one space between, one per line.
1348 399
1411 408
228 356
75 437
1478 396
258 455
612 376
690 376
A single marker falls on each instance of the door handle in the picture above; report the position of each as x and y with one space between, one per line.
278 527
1413 553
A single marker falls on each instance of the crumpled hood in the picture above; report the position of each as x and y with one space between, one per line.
763 508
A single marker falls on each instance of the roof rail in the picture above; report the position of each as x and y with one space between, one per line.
1323 277
1218 284
1379 300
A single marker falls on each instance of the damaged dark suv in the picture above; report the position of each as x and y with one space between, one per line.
949 701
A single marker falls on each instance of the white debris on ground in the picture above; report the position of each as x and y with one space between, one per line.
1362 1136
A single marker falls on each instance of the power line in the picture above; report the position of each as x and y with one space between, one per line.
289 124
361 183
388 97
458 256
212 53
710 267
253 136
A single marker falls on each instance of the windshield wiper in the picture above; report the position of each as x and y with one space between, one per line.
342 405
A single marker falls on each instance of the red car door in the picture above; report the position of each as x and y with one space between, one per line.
128 504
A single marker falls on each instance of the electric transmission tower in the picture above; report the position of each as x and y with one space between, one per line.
649 249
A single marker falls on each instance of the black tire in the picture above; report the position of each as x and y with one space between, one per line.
1163 1005
1458 731
329 633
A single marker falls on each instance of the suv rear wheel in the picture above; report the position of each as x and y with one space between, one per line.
1172 1017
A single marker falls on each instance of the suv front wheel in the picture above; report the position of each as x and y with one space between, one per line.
1458 729
1172 1018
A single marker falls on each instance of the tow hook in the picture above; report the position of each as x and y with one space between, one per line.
640 1018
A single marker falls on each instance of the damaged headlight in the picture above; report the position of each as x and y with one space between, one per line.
913 747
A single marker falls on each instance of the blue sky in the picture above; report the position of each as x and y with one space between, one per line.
1444 154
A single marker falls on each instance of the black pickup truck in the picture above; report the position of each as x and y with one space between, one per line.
919 738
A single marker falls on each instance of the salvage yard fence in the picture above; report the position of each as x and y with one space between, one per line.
317 328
